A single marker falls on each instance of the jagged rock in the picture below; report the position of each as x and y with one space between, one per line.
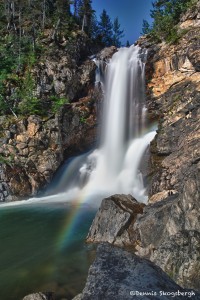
191 18
40 296
118 274
122 221
170 228
113 220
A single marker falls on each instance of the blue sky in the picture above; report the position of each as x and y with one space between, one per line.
130 13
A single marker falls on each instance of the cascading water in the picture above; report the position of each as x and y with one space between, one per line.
123 142
113 167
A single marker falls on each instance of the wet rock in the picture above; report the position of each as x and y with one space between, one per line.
113 220
116 272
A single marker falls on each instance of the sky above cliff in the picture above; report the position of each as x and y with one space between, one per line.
130 13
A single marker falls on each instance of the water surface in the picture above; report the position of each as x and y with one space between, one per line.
42 249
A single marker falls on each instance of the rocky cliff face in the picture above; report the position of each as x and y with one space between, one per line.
168 230
173 88
173 91
33 147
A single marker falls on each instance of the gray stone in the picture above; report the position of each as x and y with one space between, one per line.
113 219
116 272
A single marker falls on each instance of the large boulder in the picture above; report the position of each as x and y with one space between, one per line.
118 274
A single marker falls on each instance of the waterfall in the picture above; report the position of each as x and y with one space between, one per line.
123 142
114 166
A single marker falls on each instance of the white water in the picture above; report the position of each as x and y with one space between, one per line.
113 168
123 141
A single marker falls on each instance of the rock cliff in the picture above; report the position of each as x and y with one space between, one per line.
32 148
173 89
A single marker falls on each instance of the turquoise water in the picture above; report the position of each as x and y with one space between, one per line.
42 249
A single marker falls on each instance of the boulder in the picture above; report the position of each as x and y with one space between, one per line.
169 233
113 220
119 274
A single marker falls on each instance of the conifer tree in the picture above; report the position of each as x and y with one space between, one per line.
117 33
166 15
146 27
105 29
85 13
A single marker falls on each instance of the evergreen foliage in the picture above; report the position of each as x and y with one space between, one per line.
105 29
166 15
26 28
85 14
117 33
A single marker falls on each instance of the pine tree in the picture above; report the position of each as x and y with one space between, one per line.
85 13
166 14
105 29
117 33
94 28
145 27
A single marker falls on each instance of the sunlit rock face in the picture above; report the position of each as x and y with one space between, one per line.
173 93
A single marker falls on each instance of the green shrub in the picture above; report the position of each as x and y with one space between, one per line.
57 103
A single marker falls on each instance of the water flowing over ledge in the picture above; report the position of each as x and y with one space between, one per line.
113 168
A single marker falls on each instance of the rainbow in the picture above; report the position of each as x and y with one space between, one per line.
71 223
